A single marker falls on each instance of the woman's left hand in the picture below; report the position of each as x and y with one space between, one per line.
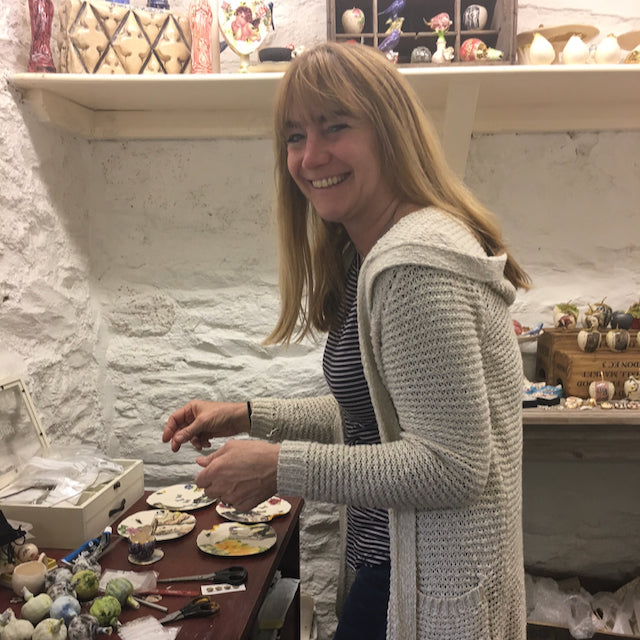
242 473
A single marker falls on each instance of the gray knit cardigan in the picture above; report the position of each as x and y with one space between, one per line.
445 374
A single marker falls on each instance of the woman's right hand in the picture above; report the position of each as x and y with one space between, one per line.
198 421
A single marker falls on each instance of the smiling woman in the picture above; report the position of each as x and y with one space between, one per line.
419 439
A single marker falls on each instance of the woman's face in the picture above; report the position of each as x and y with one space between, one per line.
335 161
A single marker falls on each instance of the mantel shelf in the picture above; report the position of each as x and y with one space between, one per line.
462 100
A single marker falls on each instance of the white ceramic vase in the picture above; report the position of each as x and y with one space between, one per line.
608 51
541 51
575 51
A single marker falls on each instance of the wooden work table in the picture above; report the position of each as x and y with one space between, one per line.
238 610
594 434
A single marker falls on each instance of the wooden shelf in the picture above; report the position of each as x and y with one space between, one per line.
462 100
575 435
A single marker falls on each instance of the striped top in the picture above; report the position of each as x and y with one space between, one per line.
367 529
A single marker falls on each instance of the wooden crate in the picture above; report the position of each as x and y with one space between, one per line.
554 340
576 370
499 32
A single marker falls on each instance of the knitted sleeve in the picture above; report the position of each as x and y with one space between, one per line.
426 334
314 419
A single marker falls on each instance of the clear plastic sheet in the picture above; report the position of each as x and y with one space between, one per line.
62 474
567 604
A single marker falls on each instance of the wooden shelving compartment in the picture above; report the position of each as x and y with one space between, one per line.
499 32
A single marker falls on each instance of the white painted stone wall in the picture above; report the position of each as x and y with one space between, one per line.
137 275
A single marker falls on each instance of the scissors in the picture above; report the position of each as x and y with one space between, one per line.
197 608
233 575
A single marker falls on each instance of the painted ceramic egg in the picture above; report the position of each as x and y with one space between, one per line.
353 21
474 17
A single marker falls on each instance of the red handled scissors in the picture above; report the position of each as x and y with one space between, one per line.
197 608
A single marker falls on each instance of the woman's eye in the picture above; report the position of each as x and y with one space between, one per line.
294 137
334 128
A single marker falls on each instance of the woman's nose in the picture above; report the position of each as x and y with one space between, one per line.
316 152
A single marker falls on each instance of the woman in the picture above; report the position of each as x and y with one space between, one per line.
384 249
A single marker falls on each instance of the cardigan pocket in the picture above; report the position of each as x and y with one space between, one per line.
464 617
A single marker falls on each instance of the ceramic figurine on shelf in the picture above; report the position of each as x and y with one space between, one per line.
473 49
200 20
41 17
474 17
541 51
353 21
388 45
244 25
420 55
608 51
440 23
576 51
394 9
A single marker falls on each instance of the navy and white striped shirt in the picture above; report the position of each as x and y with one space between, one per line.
367 529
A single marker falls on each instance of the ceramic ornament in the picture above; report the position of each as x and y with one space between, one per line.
200 20
353 21
474 17
576 51
473 49
541 50
608 51
244 25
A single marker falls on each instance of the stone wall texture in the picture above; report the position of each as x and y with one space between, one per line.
136 275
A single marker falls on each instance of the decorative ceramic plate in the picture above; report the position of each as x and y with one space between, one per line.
182 497
171 524
530 338
234 539
264 512
630 40
244 24
559 36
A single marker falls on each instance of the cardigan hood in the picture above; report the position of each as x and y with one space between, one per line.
430 237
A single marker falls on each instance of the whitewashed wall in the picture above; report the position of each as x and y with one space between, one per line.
137 275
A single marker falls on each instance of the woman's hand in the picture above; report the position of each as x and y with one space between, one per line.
199 421
242 473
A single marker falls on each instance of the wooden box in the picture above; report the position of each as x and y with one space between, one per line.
69 523
560 361
499 32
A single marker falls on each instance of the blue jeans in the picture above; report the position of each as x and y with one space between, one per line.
365 609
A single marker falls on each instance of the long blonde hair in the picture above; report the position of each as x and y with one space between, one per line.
358 80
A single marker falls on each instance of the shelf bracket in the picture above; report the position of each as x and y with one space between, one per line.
459 117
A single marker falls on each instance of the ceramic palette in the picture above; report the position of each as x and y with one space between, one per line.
181 497
265 511
169 524
235 539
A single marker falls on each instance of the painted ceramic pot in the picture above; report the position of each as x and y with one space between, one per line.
353 21
576 51
541 51
632 388
474 17
608 51
473 49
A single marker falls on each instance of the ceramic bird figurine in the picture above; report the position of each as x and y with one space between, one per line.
394 24
393 9
390 41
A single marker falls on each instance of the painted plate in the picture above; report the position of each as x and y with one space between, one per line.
236 539
264 512
181 497
244 24
171 524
